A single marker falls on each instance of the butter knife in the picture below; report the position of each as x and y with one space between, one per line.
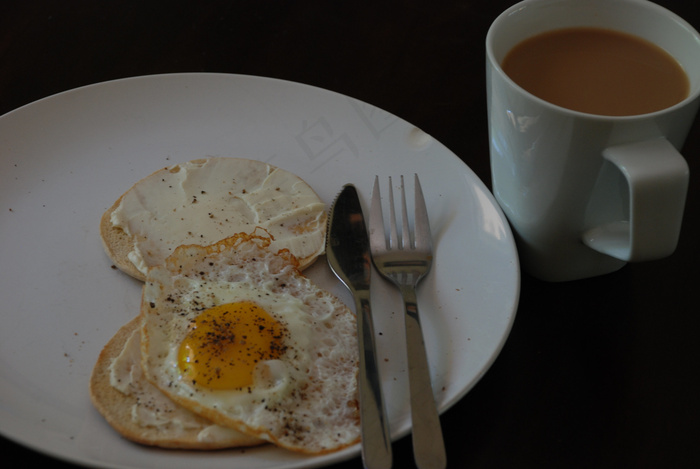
347 251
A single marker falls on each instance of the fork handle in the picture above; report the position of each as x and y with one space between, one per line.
428 444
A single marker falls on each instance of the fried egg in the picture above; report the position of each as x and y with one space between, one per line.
206 200
236 334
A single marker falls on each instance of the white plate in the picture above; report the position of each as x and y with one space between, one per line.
66 158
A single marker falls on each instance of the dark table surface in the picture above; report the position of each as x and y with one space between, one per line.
600 373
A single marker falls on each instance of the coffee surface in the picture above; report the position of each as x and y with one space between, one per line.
597 71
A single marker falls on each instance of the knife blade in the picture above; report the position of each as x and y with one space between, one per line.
347 251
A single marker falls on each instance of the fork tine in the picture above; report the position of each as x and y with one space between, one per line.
422 237
376 218
394 240
405 231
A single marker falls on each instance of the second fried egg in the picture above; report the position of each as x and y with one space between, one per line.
235 333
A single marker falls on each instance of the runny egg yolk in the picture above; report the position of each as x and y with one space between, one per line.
226 342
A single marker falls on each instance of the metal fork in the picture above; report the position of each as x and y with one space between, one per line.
405 262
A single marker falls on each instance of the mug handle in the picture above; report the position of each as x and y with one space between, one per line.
657 178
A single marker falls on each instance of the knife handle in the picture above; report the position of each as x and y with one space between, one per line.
376 444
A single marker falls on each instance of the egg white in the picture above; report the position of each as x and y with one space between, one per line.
206 200
307 399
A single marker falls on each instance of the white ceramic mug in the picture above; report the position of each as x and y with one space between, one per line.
585 194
